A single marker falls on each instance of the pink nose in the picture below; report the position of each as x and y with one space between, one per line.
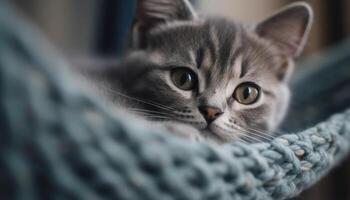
210 113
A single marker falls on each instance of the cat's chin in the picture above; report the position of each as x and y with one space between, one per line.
213 135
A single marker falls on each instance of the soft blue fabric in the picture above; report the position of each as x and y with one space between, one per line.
58 142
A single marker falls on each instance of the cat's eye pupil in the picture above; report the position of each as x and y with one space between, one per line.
184 78
247 93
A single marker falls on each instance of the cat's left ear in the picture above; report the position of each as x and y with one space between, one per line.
151 14
288 29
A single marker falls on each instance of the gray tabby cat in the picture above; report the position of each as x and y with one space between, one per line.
208 78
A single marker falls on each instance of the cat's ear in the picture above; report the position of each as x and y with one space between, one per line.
150 14
288 29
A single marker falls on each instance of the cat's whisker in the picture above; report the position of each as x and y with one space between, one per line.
231 134
151 112
132 98
267 134
257 132
241 139
140 100
158 104
260 133
254 138
246 139
249 135
156 116
235 137
158 120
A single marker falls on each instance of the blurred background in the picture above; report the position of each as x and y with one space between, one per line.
99 27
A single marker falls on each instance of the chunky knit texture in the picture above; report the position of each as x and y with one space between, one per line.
57 142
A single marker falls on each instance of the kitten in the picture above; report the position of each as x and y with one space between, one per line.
208 78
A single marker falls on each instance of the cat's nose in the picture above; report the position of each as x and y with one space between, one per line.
210 113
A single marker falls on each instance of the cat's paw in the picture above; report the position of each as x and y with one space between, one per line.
184 131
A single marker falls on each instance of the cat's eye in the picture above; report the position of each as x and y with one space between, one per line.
184 78
247 93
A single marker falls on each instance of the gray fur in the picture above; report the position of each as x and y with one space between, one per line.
223 54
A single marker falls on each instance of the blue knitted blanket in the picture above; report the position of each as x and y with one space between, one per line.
58 142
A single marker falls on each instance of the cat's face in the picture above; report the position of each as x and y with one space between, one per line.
222 77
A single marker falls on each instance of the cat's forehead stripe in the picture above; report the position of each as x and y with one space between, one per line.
200 57
244 68
226 50
225 46
207 60
236 65
213 43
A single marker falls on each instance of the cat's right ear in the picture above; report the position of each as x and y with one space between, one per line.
150 14
288 29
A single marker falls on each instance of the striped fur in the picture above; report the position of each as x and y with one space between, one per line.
223 54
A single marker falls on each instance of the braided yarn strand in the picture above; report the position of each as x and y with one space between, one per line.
57 142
